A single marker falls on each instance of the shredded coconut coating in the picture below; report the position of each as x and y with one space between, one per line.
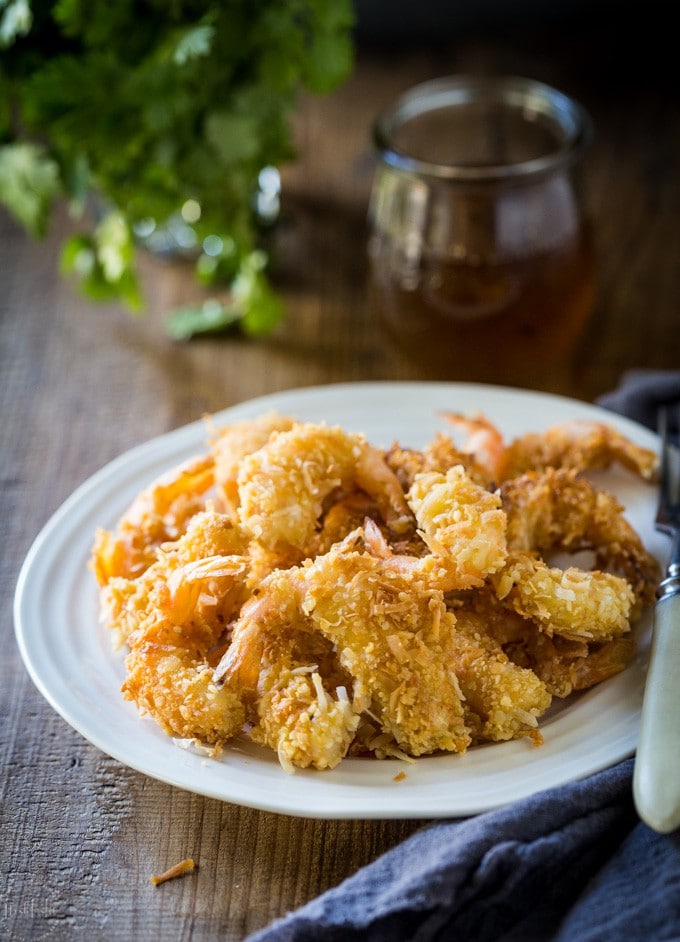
302 587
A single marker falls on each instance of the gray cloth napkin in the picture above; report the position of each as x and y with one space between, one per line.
570 864
642 392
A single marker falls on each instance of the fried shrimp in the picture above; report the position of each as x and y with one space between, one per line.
581 445
160 512
301 719
282 486
462 524
172 620
341 519
557 509
327 598
573 603
568 666
292 675
484 445
502 700
391 634
563 665
440 455
394 637
212 546
233 442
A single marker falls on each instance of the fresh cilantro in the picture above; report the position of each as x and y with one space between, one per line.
162 116
15 20
29 182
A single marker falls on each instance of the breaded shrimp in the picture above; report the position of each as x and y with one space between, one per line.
232 443
459 522
484 444
557 509
564 665
342 518
391 634
301 720
159 513
303 706
174 623
282 486
395 638
568 666
573 603
440 454
211 546
328 598
462 524
502 700
580 444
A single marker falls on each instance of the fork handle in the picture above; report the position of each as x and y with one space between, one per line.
656 776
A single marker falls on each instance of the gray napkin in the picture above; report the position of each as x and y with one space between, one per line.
641 392
570 864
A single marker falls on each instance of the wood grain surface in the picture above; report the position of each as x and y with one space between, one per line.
80 384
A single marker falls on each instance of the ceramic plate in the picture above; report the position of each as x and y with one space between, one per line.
71 661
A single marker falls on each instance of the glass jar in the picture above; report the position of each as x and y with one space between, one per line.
481 255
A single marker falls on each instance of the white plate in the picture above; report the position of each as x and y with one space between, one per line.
70 659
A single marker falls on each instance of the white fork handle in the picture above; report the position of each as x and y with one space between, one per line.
656 776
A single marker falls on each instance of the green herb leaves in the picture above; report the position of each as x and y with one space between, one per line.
153 106
29 182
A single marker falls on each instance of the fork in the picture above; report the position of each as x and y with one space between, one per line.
656 776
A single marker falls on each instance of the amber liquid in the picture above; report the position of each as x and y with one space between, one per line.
500 323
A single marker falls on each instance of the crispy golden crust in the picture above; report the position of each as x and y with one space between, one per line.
579 445
558 509
177 870
300 586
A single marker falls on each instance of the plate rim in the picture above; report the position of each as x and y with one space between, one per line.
179 438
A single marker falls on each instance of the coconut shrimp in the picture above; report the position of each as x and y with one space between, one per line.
174 618
328 598
484 444
563 665
300 718
568 666
572 602
342 518
440 455
211 545
232 443
462 524
502 700
300 705
159 513
395 638
580 445
282 486
391 633
557 509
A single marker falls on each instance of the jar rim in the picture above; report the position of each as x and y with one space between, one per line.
571 124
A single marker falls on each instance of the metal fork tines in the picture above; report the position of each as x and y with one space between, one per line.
668 512
656 777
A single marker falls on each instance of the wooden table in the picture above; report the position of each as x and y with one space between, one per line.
81 834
